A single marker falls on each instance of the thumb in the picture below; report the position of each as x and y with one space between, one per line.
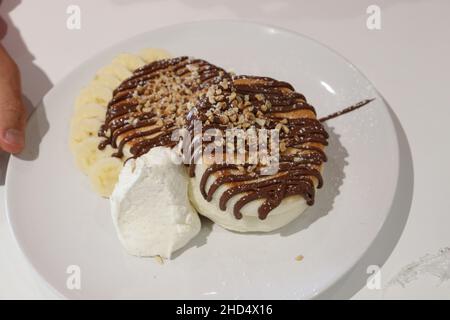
12 135
12 111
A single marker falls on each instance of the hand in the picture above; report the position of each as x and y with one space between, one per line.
12 110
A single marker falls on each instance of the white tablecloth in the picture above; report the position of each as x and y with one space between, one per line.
407 60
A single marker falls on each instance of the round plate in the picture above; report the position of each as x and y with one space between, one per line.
59 222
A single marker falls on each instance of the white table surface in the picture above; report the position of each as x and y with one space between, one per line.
407 60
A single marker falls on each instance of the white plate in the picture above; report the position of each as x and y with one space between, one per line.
58 221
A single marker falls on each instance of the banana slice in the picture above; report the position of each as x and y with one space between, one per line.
153 54
90 111
87 153
104 174
129 61
81 129
94 94
116 70
106 80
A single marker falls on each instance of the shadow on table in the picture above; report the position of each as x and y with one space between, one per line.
34 80
392 229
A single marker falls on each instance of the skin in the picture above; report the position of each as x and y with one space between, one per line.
12 110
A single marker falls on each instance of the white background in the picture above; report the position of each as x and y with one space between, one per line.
407 60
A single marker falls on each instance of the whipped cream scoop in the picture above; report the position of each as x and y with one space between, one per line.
150 206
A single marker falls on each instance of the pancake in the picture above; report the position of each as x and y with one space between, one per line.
241 197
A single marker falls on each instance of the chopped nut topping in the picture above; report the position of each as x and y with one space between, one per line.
259 97
134 121
224 119
224 84
285 128
260 122
159 260
211 99
232 96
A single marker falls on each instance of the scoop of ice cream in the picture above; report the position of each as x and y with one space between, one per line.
150 206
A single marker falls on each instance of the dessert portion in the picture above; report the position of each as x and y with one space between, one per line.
242 197
89 116
150 206
125 122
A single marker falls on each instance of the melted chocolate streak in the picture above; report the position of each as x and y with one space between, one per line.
346 110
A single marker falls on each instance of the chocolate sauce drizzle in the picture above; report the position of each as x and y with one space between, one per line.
346 110
299 164
147 107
